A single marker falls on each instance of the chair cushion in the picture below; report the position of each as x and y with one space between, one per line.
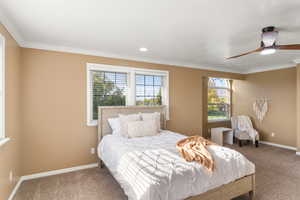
242 135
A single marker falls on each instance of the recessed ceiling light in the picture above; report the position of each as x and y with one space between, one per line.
143 49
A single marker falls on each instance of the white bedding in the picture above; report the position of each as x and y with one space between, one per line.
150 168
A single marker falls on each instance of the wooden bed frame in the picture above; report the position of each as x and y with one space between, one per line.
225 192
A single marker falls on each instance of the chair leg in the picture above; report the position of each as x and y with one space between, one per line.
256 143
101 164
240 143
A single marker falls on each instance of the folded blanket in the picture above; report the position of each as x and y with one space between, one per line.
194 149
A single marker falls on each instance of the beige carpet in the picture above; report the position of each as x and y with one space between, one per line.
277 176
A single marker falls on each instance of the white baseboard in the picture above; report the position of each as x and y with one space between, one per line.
279 145
49 173
13 193
298 153
59 171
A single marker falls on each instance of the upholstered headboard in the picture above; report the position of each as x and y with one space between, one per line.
106 112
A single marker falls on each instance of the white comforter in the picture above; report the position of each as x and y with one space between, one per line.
150 168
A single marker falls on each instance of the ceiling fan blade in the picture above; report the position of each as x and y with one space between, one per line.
288 47
244 54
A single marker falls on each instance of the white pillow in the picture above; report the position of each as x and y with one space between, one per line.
152 116
142 128
125 119
115 125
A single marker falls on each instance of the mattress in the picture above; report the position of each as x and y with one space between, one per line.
151 168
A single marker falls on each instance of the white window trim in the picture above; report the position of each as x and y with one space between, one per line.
130 97
3 138
221 120
218 120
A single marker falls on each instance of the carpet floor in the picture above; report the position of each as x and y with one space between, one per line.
277 178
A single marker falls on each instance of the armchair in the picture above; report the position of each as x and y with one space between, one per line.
243 130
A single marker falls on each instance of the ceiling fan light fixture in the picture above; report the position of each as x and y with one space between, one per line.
269 38
143 49
268 51
268 43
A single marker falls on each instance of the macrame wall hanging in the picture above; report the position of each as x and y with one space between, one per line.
260 108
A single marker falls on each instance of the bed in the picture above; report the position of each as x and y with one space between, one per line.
151 168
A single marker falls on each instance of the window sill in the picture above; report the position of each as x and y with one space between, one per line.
218 121
3 141
92 123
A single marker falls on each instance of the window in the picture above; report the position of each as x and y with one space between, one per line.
148 89
118 86
2 89
109 89
219 100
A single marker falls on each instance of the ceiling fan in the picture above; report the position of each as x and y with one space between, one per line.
268 44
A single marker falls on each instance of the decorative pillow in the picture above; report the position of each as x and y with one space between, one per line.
125 119
115 125
142 128
152 116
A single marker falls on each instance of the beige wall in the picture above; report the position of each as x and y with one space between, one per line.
298 107
280 87
9 152
54 106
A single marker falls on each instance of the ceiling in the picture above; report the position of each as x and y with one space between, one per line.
192 33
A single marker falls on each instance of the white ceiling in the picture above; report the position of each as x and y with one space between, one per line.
194 33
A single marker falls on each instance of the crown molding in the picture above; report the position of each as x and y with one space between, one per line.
58 48
11 28
65 49
270 68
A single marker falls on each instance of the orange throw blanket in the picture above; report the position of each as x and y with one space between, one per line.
194 149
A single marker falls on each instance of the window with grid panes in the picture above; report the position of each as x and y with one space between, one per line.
148 89
109 85
109 89
219 100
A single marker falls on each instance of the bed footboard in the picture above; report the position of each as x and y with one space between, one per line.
245 185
